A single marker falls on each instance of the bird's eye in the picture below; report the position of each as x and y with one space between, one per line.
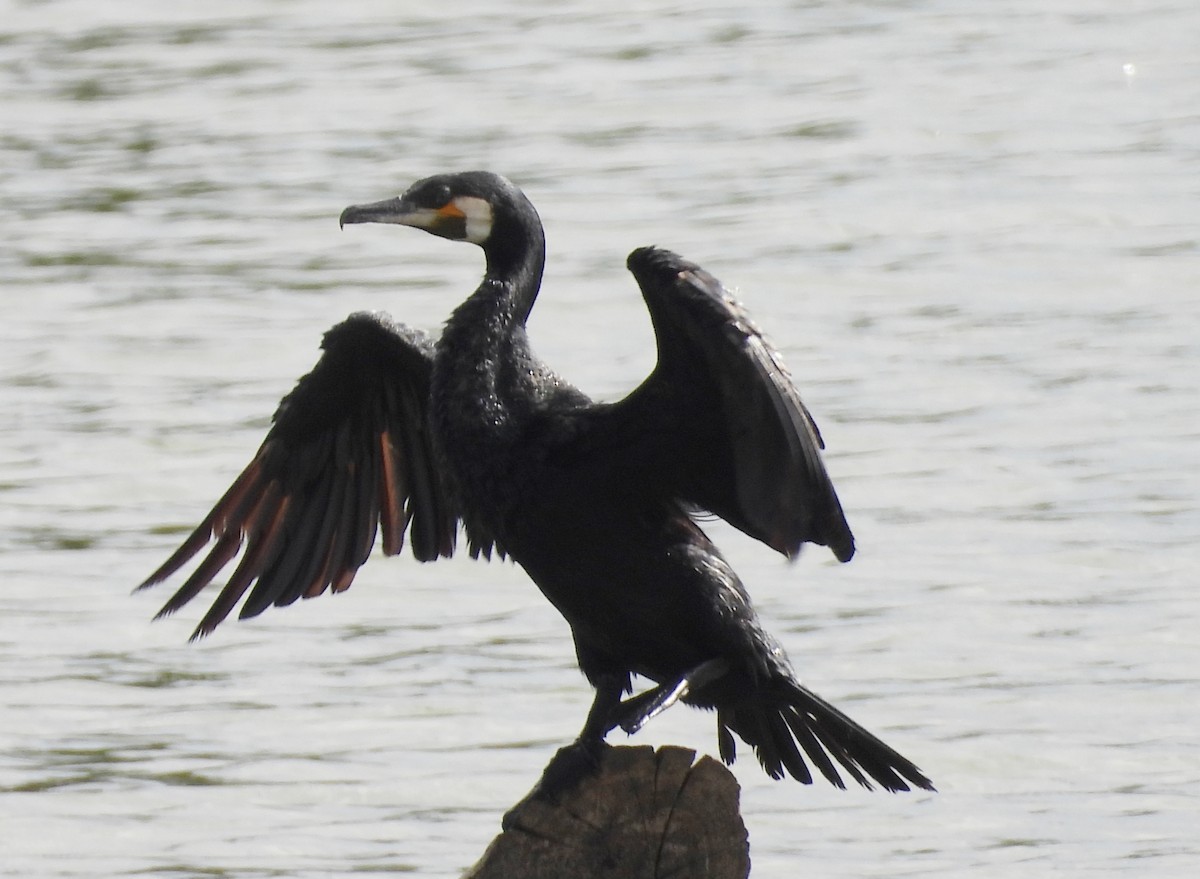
441 196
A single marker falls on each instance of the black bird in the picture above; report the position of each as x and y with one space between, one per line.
395 431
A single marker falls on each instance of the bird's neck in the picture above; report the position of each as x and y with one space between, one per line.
516 257
483 361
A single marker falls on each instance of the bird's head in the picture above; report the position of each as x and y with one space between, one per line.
462 207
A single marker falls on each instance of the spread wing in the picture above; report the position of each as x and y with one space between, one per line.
721 417
348 455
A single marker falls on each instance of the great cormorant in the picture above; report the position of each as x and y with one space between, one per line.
395 431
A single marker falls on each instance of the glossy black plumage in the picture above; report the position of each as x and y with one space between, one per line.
395 431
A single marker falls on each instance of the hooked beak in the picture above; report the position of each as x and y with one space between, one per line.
440 221
391 210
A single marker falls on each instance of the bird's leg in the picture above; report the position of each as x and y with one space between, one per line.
637 710
582 757
601 716
633 713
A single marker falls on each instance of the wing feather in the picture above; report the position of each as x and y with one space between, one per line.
728 423
348 455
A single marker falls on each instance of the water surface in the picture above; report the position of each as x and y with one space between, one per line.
973 231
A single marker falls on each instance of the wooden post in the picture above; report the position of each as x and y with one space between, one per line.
642 814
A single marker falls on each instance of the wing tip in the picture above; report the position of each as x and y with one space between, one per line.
651 260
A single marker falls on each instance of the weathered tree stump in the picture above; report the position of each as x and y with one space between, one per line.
642 814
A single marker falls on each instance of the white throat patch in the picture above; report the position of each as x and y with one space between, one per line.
479 217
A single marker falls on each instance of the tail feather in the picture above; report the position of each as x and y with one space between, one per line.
859 751
812 747
726 743
790 757
797 721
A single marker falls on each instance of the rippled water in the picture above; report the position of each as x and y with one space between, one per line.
973 230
